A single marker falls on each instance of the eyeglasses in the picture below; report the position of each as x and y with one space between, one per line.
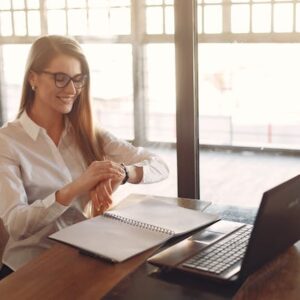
62 80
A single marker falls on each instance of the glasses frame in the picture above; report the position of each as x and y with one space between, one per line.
78 84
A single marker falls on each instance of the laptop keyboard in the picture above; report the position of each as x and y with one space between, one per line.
223 254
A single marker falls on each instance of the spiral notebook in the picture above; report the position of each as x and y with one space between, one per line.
122 233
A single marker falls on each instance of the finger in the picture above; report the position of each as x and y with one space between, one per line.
103 193
95 200
101 196
110 167
109 186
108 192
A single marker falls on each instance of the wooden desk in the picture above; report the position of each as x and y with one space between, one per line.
62 273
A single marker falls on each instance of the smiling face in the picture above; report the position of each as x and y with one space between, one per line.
50 99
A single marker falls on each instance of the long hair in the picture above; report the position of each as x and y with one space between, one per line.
45 49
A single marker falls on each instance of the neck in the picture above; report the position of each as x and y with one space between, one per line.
53 123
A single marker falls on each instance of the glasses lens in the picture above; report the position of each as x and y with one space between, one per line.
61 80
79 81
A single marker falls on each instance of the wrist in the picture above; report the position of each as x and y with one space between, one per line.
126 174
65 195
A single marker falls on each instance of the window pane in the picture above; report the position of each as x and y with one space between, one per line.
111 80
77 21
298 17
55 4
213 19
252 91
57 22
5 4
261 18
212 1
18 4
34 25
283 17
31 4
247 97
98 21
245 1
120 3
13 71
199 19
154 2
20 23
161 92
240 18
98 3
154 20
120 20
76 3
169 20
6 24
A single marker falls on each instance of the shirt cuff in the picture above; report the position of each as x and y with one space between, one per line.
55 209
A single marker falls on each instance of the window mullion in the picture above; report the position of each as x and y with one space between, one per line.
43 17
138 70
187 124
226 16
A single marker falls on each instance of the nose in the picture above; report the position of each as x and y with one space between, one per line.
70 88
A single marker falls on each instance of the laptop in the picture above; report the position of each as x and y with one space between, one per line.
230 251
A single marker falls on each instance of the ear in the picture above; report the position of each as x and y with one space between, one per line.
32 78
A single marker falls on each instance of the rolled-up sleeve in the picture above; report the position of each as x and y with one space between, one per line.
20 218
154 168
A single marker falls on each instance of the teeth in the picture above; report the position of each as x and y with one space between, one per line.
66 99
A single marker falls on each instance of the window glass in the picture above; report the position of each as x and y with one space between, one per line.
99 21
33 4
55 3
76 3
169 20
5 4
18 4
240 18
120 20
154 17
20 23
112 89
250 99
6 25
12 78
283 17
34 24
261 17
57 22
161 92
77 22
213 19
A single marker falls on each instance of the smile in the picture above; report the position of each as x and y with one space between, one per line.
66 100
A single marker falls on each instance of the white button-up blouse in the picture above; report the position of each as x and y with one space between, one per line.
33 168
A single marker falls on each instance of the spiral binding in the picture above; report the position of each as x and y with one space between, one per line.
140 224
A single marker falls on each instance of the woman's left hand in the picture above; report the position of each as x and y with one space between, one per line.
101 195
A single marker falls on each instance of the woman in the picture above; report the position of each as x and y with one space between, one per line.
53 161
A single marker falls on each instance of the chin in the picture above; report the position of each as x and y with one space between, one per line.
66 110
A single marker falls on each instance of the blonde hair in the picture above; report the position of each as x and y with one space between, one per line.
43 50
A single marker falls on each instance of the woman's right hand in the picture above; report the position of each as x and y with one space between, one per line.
95 173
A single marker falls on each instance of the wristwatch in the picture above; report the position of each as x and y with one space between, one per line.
126 174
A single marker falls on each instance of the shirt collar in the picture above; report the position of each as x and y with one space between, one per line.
33 129
29 126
